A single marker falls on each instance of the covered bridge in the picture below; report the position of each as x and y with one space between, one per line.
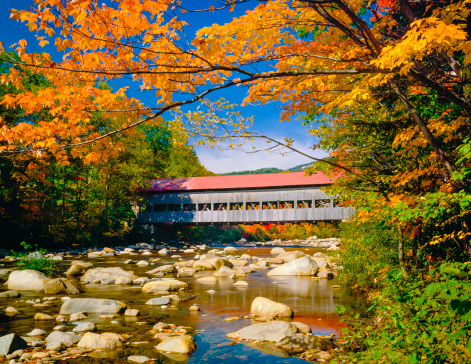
241 199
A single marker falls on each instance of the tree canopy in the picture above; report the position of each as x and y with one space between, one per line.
405 65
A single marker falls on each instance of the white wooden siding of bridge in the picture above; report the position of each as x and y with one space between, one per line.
244 216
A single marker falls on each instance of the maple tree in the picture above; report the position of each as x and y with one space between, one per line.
348 55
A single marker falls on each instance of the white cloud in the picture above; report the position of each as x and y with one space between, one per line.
235 160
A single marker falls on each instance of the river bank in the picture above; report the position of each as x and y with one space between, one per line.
204 308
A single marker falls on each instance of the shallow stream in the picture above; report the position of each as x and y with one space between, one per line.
313 301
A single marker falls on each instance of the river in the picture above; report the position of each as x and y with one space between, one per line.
313 301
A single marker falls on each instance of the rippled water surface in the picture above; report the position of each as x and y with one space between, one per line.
313 301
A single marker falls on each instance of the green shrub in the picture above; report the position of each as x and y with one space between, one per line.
34 259
367 249
425 318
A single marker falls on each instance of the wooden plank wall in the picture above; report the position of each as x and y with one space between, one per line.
197 199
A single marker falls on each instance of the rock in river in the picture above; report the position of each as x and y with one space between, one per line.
132 312
4 273
106 275
10 343
210 264
37 332
207 280
106 340
277 251
179 345
96 305
138 359
291 255
264 309
43 317
158 301
241 284
302 327
27 280
59 285
272 331
63 338
299 343
77 316
173 285
203 265
163 251
304 266
10 310
168 268
224 272
78 268
10 294
239 262
322 264
84 326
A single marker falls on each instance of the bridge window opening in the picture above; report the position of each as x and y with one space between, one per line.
204 207
338 202
189 207
220 207
304 204
146 208
160 207
253 205
322 203
174 207
286 204
273 205
234 206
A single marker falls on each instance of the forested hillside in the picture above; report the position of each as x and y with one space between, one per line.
300 168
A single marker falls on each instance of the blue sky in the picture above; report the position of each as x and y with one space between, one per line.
266 116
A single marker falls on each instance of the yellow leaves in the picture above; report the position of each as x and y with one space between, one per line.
14 14
147 38
405 69
104 44
455 235
453 13
42 41
466 49
49 32
92 157
406 177
80 16
426 36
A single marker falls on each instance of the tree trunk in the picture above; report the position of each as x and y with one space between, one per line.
400 250
423 128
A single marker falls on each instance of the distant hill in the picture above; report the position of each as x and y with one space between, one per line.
299 168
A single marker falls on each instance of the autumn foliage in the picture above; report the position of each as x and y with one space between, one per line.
383 86
257 232
390 78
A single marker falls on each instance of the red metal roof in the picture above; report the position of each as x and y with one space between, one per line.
239 182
